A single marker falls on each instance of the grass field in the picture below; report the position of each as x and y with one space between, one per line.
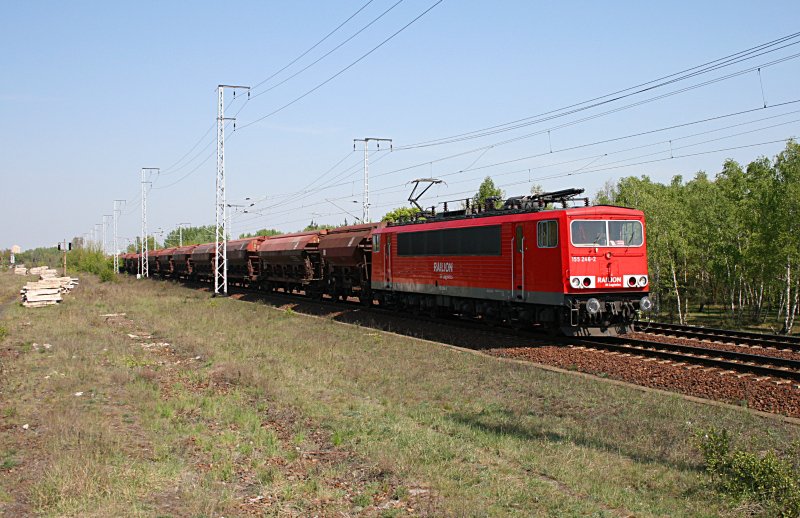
192 406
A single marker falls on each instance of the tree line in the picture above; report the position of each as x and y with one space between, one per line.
731 240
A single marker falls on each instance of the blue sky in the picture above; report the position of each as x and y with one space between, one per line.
93 91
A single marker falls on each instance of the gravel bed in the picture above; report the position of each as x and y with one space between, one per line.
719 346
763 395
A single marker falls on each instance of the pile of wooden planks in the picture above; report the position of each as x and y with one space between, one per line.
43 272
47 291
20 270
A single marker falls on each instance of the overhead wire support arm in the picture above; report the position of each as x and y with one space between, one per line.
221 209
365 210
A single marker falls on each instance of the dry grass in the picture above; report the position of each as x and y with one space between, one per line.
306 416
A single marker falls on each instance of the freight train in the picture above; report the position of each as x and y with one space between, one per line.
534 261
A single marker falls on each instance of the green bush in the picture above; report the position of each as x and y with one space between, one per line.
771 480
106 275
91 261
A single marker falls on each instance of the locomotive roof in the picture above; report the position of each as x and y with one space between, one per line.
602 210
503 216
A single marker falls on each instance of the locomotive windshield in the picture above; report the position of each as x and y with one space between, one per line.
606 233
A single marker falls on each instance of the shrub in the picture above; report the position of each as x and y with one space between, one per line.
106 275
768 479
92 261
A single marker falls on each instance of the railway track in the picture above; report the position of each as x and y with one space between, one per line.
736 362
759 365
721 335
763 383
480 336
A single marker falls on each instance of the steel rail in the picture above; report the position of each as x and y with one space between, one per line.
727 360
720 335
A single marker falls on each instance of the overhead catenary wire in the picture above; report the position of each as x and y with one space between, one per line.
317 44
578 121
304 95
579 171
346 173
728 60
343 70
716 64
251 95
567 174
643 133
497 144
354 169
638 103
483 149
168 170
708 119
597 156
581 159
337 47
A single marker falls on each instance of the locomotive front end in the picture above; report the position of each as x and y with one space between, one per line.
606 281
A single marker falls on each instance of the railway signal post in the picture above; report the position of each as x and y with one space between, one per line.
64 247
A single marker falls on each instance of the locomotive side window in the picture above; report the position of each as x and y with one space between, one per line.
547 234
625 233
606 233
519 238
452 241
376 243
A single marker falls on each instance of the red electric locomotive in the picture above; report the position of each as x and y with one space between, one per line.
582 270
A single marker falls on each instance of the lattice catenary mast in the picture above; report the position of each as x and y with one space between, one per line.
221 231
117 210
365 140
106 217
144 264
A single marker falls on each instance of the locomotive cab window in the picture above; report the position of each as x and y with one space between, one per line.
625 233
621 233
589 233
547 234
451 241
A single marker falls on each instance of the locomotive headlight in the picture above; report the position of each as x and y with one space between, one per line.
593 306
642 281
645 304
575 282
